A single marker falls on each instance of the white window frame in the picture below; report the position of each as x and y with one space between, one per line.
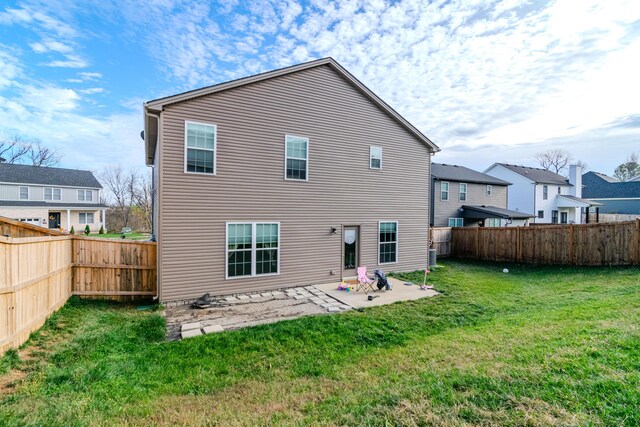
84 195
80 215
545 192
286 157
20 193
371 148
397 242
254 225
489 190
455 222
53 194
215 147
441 191
460 192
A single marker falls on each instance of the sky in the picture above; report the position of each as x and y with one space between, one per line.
487 81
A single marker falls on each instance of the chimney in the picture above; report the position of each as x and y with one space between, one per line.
575 179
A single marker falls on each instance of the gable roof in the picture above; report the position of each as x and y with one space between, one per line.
596 187
444 172
42 175
538 175
602 176
154 107
475 211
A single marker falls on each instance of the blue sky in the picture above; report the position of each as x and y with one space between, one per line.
486 80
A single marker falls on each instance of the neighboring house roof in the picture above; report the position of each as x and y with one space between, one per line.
567 201
43 204
444 172
156 106
602 176
596 187
538 175
41 175
472 211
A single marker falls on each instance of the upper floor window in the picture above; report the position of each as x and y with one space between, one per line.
200 148
463 192
375 157
24 193
489 190
85 195
52 193
444 191
558 190
296 157
545 192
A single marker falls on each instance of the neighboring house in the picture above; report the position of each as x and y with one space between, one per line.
51 197
291 177
553 198
465 197
615 196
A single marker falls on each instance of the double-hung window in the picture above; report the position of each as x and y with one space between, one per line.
200 148
462 194
85 217
387 242
296 158
456 222
554 217
545 192
85 195
24 193
253 249
375 157
52 193
489 190
444 191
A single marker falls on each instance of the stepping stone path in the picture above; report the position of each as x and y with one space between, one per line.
303 294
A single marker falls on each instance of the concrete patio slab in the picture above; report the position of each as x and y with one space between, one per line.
399 292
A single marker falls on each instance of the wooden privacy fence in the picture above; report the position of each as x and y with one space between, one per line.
39 274
441 240
584 244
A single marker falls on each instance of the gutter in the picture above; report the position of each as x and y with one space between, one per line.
153 190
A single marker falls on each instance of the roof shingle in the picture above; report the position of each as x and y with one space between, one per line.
444 172
538 175
41 175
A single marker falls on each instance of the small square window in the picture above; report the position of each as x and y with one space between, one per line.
540 214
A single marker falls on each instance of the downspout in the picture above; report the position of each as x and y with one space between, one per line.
153 198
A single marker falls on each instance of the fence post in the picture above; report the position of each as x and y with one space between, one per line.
571 248
477 242
637 241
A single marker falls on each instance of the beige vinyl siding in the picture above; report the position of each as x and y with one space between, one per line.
252 122
476 195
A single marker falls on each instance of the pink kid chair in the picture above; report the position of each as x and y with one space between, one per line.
364 281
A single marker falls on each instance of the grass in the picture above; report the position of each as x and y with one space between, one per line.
537 346
129 236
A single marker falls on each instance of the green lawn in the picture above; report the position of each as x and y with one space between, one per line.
130 236
536 346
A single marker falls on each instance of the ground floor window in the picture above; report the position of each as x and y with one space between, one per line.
563 218
252 249
85 217
456 222
387 242
554 217
494 222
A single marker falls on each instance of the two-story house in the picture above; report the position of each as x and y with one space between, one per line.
553 198
615 196
464 197
51 197
291 177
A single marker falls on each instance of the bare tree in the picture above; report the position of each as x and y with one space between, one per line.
41 155
628 170
582 164
119 186
17 149
555 160
13 148
142 198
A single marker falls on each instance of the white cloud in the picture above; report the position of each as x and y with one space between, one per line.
50 46
10 69
91 90
90 75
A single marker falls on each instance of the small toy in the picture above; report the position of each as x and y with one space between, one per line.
506 270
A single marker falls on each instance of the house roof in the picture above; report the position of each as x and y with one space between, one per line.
479 212
41 175
444 172
596 187
568 201
43 204
602 176
538 175
151 108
